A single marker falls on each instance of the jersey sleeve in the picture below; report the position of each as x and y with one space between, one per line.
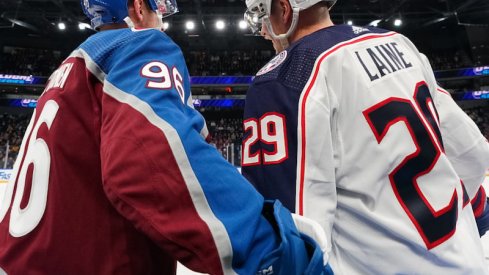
318 153
465 146
162 176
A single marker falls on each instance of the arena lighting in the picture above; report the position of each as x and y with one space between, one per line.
166 25
61 26
220 25
350 22
190 25
242 25
397 22
375 23
83 26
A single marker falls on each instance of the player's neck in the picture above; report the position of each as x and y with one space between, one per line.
113 26
306 29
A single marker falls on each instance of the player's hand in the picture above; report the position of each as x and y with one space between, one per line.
297 253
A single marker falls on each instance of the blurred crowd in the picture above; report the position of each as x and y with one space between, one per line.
236 63
41 62
225 129
23 61
12 128
441 61
480 116
225 125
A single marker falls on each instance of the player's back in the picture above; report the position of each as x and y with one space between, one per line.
399 198
374 174
64 223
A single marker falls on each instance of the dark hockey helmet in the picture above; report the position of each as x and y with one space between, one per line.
102 12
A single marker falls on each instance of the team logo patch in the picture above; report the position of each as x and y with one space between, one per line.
358 30
274 63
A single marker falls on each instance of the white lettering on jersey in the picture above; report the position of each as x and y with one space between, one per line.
160 78
266 271
24 220
269 130
177 79
273 131
248 158
159 73
58 78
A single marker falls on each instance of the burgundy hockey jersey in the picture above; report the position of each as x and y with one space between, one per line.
114 175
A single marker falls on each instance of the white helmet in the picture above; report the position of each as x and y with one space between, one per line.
258 12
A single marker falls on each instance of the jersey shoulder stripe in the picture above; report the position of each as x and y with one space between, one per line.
182 127
295 70
303 101
103 65
109 47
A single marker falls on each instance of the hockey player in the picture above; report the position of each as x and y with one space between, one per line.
346 125
114 175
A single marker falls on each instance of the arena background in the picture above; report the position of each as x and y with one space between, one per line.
222 56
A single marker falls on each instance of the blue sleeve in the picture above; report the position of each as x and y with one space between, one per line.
161 174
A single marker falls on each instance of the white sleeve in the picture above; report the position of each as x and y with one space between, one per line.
465 146
316 172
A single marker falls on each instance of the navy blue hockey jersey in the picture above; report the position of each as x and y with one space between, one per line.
347 126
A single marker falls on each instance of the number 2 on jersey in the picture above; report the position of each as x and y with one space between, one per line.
434 226
270 129
37 156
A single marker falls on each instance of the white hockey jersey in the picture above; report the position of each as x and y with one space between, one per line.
347 126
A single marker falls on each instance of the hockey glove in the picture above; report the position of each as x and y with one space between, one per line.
297 253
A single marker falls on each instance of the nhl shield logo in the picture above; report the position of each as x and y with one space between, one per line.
274 63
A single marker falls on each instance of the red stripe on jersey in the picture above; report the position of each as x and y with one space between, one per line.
479 202
443 91
303 105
